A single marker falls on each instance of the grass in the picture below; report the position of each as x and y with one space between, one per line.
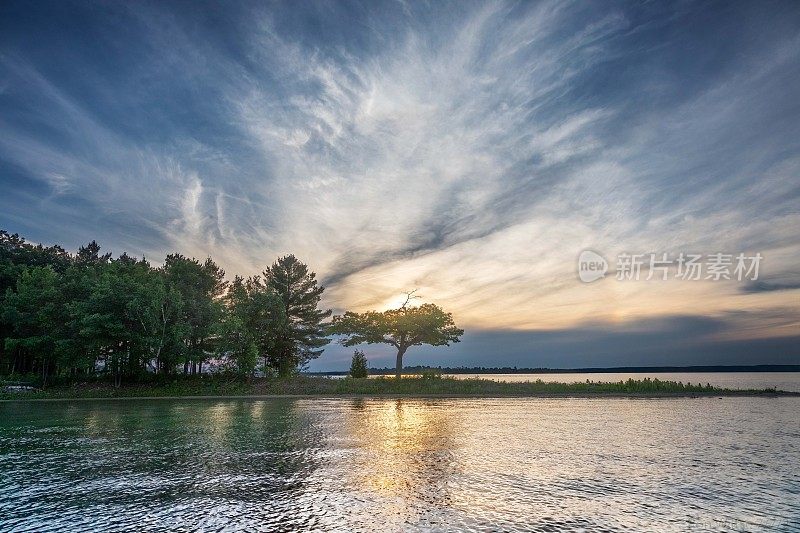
426 385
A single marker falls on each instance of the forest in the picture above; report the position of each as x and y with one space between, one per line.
87 314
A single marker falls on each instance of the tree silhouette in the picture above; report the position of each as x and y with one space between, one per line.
402 328
303 334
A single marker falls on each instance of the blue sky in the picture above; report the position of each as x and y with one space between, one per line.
470 150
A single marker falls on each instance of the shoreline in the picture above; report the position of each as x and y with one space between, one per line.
199 388
505 371
384 396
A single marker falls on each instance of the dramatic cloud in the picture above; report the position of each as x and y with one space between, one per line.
470 150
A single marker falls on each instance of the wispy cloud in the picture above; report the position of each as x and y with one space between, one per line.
469 150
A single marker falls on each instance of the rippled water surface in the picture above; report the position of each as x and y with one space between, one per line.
390 465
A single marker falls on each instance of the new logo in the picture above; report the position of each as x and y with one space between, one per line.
591 266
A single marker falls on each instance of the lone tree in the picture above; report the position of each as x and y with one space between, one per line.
402 328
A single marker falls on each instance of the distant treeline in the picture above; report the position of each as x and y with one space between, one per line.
88 314
593 370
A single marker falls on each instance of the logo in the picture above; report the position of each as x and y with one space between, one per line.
591 266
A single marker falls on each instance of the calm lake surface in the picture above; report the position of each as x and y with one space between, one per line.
787 381
707 464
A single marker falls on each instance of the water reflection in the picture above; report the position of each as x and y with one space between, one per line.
398 465
407 453
159 461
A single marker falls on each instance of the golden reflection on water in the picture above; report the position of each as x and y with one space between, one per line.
400 465
406 448
219 418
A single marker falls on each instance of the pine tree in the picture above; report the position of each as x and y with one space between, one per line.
90 254
35 311
359 367
303 334
201 287
253 321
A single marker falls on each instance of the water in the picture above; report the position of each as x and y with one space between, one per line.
788 381
413 464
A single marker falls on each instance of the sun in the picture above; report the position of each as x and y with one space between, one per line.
396 301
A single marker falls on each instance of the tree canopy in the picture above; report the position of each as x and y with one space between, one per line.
402 328
303 333
88 314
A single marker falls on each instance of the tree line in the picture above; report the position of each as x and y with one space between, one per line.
88 314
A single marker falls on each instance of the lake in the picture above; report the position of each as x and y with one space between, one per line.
515 464
788 381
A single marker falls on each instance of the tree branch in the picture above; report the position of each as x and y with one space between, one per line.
409 296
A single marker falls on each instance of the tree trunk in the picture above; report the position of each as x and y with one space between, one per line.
399 368
285 367
117 372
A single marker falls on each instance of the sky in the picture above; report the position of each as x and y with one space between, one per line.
469 150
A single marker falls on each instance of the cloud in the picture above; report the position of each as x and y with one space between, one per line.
469 152
682 340
768 286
